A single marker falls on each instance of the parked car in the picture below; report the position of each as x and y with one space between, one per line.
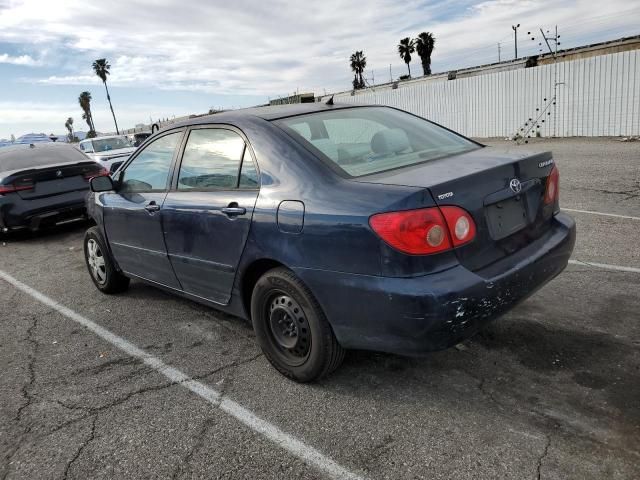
110 152
332 228
137 139
43 184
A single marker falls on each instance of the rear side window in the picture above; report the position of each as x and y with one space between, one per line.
212 161
248 172
149 171
362 141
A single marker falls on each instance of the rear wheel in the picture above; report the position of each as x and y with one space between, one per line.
292 329
101 268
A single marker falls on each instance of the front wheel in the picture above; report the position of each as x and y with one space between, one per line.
292 329
103 272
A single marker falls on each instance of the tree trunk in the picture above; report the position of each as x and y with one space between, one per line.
409 67
111 107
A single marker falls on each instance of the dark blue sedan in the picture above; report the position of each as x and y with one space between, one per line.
331 228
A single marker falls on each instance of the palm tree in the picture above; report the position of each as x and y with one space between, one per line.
405 48
358 64
424 47
85 103
101 68
69 125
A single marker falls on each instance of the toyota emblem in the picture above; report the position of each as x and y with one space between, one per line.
59 173
515 185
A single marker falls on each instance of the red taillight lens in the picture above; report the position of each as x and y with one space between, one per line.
418 232
462 228
552 189
425 231
101 172
18 186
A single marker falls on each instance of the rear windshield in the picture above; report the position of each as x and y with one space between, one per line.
21 157
366 140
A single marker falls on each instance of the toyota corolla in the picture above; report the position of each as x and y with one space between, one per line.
332 227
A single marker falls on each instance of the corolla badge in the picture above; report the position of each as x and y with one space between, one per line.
515 185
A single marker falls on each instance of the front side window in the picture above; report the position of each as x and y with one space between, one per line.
211 160
86 147
366 140
150 169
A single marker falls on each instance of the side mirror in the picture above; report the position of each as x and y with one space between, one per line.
101 184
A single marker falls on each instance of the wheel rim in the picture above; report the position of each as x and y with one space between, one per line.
289 328
96 262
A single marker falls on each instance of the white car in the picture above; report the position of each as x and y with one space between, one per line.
110 152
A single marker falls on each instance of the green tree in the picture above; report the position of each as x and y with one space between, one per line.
405 48
101 68
85 103
424 48
358 63
69 125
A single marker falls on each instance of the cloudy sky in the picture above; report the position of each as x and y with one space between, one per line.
172 57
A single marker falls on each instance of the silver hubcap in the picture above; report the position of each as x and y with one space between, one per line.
96 262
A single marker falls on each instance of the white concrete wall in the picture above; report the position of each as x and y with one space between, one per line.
596 96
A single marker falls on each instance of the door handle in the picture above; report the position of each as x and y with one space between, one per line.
233 209
152 207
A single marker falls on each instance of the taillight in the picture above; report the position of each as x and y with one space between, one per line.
552 189
100 172
18 186
424 231
461 226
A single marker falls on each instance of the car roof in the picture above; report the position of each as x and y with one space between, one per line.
103 137
272 112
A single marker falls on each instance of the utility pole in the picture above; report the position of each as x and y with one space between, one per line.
499 60
515 31
390 74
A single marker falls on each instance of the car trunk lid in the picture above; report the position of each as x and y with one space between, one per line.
55 180
501 189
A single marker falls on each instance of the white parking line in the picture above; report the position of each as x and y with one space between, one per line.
288 442
605 266
615 215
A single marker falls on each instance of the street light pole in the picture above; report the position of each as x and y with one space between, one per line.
515 30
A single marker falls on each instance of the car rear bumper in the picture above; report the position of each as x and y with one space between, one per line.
17 214
433 312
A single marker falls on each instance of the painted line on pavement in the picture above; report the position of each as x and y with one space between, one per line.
615 215
288 442
605 266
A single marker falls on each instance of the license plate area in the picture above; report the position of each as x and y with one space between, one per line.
506 217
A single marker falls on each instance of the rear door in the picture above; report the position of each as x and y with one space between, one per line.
207 214
132 215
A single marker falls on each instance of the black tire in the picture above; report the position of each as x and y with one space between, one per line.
291 328
106 277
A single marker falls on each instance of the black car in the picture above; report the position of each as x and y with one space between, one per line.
332 227
43 184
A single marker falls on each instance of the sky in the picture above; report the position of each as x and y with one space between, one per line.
171 58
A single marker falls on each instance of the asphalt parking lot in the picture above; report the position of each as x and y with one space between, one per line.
551 390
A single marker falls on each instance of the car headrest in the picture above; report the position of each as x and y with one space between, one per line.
391 140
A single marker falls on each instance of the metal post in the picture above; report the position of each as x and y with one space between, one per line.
515 30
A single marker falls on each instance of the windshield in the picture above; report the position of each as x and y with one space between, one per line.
106 144
366 140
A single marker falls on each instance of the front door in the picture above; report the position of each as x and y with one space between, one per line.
132 215
207 214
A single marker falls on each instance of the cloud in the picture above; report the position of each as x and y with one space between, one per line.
258 49
18 60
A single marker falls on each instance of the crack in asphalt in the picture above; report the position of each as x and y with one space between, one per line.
544 455
197 445
83 445
26 388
